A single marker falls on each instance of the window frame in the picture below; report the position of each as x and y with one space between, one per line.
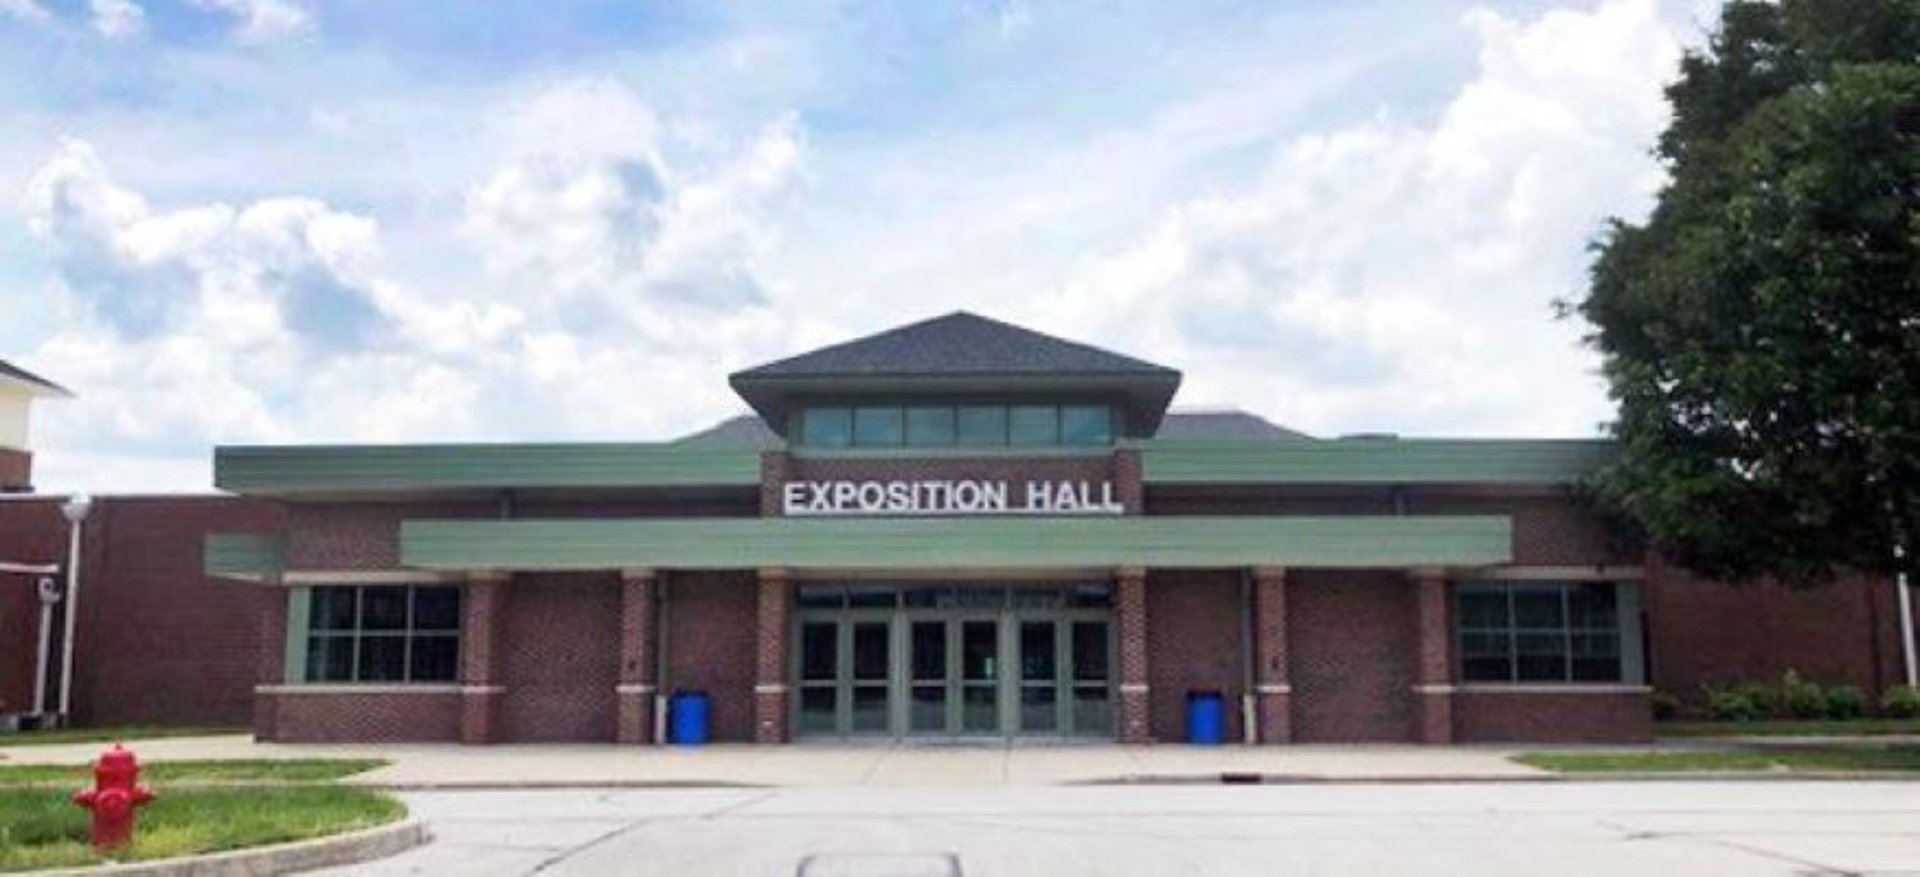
304 635
944 424
1625 632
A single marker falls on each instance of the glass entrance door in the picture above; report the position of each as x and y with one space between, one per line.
1065 680
1028 663
979 676
845 672
956 669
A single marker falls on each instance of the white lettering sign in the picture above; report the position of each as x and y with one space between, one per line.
949 497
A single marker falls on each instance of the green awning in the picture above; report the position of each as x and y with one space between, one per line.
1375 461
269 470
244 555
983 544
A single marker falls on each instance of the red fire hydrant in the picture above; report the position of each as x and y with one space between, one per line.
116 792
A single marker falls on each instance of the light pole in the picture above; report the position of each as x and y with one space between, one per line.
1906 611
75 510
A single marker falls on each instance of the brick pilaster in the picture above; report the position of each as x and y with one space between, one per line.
775 468
1273 691
638 684
1433 688
1128 484
770 676
1130 607
16 471
482 610
271 666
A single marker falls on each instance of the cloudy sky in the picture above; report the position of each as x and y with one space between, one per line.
248 221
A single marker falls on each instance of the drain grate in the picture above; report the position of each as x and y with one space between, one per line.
880 865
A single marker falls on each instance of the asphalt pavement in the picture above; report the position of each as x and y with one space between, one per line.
1636 828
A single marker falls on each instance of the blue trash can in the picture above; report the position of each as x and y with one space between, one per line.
688 712
1206 718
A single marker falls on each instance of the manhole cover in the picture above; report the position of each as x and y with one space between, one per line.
880 865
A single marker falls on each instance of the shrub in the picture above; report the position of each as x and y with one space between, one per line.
1902 702
1763 699
1734 705
1665 706
1845 702
1800 698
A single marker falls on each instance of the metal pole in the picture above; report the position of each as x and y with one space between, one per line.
40 661
76 512
1906 613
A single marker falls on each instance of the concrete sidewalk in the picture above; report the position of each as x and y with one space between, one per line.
453 766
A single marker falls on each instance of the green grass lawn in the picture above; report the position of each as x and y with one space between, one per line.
1790 728
105 735
196 772
1786 759
41 828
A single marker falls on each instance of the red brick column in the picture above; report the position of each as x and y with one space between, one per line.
1128 485
16 470
1130 605
1433 686
637 632
775 468
770 678
271 669
482 610
1273 690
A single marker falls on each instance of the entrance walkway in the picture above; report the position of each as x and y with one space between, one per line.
453 766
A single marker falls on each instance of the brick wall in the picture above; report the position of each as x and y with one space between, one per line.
1194 642
560 657
1543 717
711 640
1351 643
145 595
16 470
1121 468
360 536
401 717
1705 632
31 531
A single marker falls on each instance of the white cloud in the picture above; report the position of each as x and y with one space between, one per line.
588 256
116 19
277 319
262 21
586 209
1393 275
25 10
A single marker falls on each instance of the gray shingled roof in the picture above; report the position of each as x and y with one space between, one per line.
1229 425
14 372
744 431
959 343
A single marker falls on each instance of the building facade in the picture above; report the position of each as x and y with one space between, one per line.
955 530
958 529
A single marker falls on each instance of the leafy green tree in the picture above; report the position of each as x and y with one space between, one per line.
1761 329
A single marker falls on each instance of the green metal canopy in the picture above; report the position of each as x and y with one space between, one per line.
270 470
980 544
1376 461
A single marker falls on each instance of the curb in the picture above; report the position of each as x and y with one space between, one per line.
1214 779
350 848
555 785
1235 779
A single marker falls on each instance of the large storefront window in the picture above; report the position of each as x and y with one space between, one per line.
397 633
933 426
1548 632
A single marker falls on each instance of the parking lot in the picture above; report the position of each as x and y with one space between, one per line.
1379 828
